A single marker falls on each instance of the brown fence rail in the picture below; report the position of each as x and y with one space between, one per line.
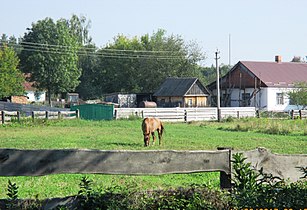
14 162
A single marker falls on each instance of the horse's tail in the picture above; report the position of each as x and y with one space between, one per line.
162 129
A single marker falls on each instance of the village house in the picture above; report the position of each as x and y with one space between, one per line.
32 94
182 92
263 85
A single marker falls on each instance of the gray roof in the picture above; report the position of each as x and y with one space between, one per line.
174 86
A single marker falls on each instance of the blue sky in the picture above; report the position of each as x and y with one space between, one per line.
258 30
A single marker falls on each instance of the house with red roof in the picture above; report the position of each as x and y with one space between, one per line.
263 85
33 95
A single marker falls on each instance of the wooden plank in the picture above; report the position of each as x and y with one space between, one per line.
15 162
11 113
39 112
283 166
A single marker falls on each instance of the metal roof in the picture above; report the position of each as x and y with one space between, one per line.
282 74
174 86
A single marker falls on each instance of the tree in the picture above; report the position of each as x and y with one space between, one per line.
50 54
11 78
210 72
142 64
10 42
88 62
79 26
298 95
297 59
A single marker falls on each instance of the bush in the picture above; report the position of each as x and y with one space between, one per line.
256 189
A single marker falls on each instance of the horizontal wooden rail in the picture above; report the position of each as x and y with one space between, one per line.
14 162
301 114
185 114
6 116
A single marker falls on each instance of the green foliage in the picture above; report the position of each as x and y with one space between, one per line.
11 78
267 126
256 189
12 194
142 64
50 55
298 95
131 197
210 73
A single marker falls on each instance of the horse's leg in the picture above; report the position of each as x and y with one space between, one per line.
146 140
160 136
153 137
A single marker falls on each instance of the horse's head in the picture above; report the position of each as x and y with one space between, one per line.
146 140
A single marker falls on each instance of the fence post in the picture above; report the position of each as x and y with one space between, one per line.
33 115
185 117
59 114
3 116
292 114
238 114
257 113
47 115
300 112
77 113
18 116
225 179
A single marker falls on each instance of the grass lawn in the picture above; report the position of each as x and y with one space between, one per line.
284 137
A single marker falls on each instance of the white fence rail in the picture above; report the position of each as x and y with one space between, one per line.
7 116
185 114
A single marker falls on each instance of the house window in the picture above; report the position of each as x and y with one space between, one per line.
279 98
190 103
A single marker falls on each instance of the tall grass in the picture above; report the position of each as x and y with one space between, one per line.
269 126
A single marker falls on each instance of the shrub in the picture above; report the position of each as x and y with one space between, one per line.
256 189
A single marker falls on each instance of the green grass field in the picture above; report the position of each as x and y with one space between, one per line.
283 137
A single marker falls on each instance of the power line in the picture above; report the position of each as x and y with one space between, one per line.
106 55
110 53
22 43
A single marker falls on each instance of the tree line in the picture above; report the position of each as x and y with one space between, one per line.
61 57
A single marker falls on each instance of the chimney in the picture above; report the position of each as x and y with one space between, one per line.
278 58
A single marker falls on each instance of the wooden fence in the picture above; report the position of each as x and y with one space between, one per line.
8 116
185 114
14 162
301 114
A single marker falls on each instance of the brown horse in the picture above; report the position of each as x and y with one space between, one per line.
149 126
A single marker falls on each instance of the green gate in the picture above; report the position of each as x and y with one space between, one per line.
94 111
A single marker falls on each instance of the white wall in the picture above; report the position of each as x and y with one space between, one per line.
272 101
265 99
32 98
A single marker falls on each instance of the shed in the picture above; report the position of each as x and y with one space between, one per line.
182 92
94 111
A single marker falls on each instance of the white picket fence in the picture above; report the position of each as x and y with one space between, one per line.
185 114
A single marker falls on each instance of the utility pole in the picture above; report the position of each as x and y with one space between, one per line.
229 50
218 86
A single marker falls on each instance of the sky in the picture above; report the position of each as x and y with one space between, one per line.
241 30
